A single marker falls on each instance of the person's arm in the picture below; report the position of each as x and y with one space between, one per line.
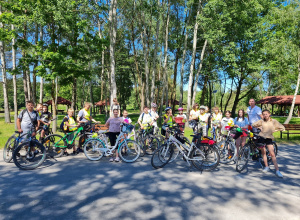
246 123
257 124
167 119
107 123
19 125
278 126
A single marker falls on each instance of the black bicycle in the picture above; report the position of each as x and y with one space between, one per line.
147 140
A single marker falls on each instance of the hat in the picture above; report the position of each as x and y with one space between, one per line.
202 107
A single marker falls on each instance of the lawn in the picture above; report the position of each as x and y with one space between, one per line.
6 130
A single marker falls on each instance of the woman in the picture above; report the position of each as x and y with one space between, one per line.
241 122
194 113
113 124
268 126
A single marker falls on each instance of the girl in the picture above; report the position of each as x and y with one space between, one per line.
194 113
241 122
183 116
70 126
168 121
226 121
115 106
126 118
203 120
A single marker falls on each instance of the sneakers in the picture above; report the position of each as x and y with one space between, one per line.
66 153
75 153
111 159
266 169
79 150
117 159
278 174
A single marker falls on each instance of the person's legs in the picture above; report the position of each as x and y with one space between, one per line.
263 153
272 154
237 144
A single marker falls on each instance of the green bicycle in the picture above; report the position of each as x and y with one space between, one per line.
56 144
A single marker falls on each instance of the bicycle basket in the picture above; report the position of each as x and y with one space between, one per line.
127 128
179 120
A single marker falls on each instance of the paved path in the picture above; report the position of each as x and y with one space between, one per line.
76 188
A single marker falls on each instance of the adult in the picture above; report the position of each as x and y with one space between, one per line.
254 113
115 106
113 124
241 122
194 113
84 115
28 120
268 126
155 116
145 120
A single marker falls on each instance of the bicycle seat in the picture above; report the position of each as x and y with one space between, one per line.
195 135
17 132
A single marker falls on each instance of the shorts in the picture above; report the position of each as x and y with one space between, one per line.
266 141
70 137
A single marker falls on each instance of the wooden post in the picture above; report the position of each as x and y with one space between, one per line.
280 109
272 108
298 111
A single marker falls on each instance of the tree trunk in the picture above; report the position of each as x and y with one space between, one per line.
295 94
173 95
230 94
236 100
34 99
102 62
113 34
222 94
4 79
198 72
202 99
54 113
74 88
191 77
14 65
183 59
28 82
42 79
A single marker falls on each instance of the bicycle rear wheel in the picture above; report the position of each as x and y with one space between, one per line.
92 150
9 148
55 145
227 151
26 158
205 158
242 159
161 156
129 151
150 143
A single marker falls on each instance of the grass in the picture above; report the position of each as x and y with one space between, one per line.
6 130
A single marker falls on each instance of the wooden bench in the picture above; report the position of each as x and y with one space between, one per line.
60 111
288 128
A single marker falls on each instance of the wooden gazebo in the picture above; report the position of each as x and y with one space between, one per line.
60 101
282 101
101 105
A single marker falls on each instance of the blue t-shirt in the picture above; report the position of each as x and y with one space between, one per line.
240 122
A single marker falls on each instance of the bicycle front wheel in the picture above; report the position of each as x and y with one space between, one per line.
29 155
9 149
129 151
227 151
55 145
242 159
161 156
150 143
205 158
92 149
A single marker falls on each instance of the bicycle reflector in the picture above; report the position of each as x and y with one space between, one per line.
251 134
249 127
94 135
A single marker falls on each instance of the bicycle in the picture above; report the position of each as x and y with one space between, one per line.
147 140
29 154
227 148
129 150
11 145
214 132
56 144
47 129
253 148
203 156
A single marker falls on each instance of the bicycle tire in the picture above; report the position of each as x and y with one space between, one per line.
24 160
207 157
152 145
9 149
129 151
175 152
140 142
225 156
55 145
91 149
242 160
161 156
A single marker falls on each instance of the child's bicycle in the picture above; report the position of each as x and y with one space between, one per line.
147 140
30 154
56 144
129 150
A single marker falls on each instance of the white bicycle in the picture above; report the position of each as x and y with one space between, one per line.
129 150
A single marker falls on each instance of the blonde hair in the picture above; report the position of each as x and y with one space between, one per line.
70 110
88 104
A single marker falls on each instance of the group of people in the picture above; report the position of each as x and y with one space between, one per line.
199 117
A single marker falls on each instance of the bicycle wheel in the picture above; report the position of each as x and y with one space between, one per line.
92 149
242 159
140 142
175 152
161 156
227 151
9 148
187 140
150 144
205 158
55 145
129 151
25 156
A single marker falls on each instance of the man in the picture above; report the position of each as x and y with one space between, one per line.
28 120
84 115
254 113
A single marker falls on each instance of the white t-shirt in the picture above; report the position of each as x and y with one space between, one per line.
195 114
203 118
254 114
128 119
145 118
154 116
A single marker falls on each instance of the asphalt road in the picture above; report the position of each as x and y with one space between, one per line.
75 188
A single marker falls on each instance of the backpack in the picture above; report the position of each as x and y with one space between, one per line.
62 124
34 122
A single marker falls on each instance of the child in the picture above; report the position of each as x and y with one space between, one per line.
183 116
70 126
226 121
168 121
45 120
216 121
203 120
125 117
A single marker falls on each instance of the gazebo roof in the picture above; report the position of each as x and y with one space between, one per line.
280 100
101 103
60 101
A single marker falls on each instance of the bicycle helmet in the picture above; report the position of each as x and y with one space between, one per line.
202 107
167 109
180 109
153 105
45 104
